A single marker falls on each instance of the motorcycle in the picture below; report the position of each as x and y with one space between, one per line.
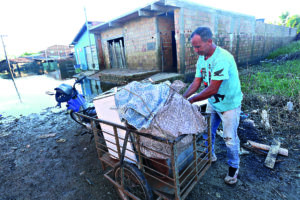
75 102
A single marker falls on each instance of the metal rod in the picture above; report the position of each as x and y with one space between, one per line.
124 148
8 63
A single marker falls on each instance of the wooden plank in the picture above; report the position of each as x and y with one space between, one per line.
271 157
114 55
110 55
118 54
123 53
282 151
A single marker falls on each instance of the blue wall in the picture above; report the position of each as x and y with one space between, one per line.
80 53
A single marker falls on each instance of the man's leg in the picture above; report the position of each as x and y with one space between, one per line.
230 121
215 122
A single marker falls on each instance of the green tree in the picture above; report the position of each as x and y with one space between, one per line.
283 18
294 22
26 54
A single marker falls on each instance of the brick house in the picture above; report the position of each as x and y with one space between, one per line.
156 37
57 52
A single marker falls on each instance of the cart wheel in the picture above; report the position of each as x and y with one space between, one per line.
134 182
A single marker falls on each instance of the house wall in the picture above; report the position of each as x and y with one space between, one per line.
100 52
80 53
166 26
247 39
140 40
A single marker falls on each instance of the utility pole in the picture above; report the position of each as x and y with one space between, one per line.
8 63
47 60
88 33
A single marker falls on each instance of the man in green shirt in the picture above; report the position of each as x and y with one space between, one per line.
217 69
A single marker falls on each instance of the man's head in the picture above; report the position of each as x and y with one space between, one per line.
201 40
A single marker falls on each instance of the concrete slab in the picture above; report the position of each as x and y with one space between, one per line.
161 77
123 76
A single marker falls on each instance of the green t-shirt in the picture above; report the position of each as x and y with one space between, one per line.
221 66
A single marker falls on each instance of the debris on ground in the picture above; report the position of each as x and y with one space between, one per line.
265 119
61 140
47 135
281 151
272 154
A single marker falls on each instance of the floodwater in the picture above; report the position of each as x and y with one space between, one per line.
32 90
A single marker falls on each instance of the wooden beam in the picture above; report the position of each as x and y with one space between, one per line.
282 151
159 8
271 157
143 13
114 24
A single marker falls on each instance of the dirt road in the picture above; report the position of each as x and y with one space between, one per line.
44 156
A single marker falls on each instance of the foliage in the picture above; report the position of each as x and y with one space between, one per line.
26 54
274 78
283 18
294 22
289 49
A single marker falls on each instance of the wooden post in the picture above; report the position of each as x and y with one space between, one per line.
123 54
8 63
114 55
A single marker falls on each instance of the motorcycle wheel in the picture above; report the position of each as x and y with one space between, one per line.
76 118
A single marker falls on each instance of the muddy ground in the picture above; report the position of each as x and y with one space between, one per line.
64 165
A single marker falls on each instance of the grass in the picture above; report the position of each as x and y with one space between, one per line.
270 86
289 49
281 79
274 78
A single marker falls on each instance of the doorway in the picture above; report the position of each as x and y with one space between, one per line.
117 53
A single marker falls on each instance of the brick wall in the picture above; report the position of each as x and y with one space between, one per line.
247 39
166 26
108 35
140 41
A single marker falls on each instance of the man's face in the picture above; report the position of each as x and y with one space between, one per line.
201 47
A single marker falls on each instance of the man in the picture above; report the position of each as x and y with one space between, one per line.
217 69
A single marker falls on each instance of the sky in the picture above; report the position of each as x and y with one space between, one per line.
33 25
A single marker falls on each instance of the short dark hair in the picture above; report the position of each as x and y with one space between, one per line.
204 32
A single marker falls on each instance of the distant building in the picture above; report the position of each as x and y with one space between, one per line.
260 20
58 52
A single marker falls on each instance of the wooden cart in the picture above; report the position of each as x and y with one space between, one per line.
123 152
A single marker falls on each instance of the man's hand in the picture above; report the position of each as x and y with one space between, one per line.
193 87
211 90
191 100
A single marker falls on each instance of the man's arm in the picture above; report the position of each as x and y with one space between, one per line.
211 90
193 87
